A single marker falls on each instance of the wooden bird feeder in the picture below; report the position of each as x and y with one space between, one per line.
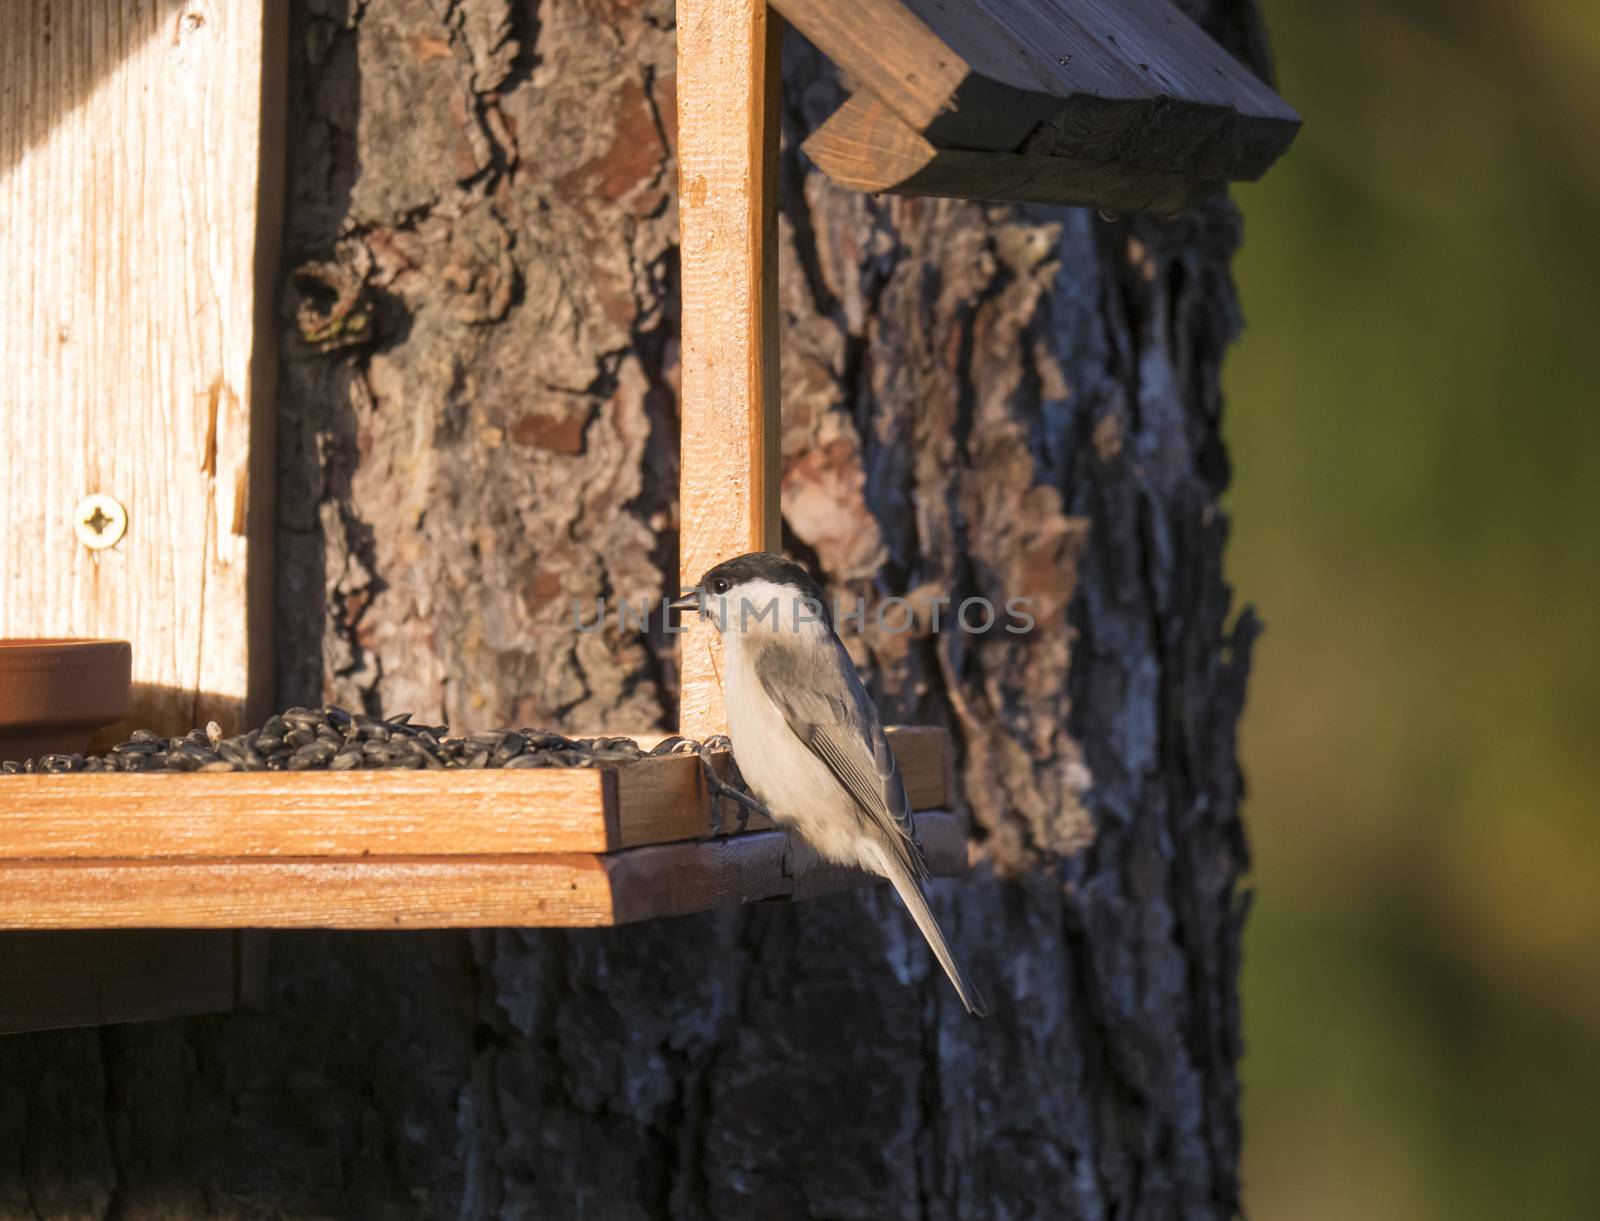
139 345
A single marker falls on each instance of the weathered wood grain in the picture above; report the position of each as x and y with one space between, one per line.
866 147
575 890
139 186
91 978
392 813
727 86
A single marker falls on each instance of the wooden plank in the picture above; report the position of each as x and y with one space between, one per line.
1144 84
424 813
727 87
91 978
368 892
139 183
866 147
904 63
1133 82
894 54
565 891
391 813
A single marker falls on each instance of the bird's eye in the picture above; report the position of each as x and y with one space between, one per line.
719 585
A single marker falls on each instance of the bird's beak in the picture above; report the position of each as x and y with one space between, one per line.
690 600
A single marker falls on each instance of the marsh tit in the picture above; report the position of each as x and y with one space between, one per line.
806 735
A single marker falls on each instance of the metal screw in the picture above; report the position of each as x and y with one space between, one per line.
100 522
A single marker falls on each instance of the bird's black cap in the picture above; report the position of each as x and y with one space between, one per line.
763 566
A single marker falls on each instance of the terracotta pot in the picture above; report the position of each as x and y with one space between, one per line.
54 694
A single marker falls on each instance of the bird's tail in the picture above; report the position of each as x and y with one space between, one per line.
916 902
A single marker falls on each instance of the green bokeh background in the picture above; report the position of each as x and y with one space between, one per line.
1414 418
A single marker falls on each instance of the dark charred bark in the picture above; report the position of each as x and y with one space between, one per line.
478 424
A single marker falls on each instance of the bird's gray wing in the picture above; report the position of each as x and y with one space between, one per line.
814 683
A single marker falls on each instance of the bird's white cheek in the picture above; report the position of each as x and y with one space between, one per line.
714 608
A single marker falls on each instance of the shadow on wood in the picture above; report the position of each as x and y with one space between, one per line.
57 56
91 978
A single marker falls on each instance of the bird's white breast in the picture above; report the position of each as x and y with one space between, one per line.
790 780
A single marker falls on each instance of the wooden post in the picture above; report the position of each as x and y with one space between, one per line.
728 74
139 186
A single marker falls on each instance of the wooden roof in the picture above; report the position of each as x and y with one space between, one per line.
1123 104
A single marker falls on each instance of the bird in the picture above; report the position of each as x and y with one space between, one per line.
807 737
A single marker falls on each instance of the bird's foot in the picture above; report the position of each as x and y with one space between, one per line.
717 789
748 805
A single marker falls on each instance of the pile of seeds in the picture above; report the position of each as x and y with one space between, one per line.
331 739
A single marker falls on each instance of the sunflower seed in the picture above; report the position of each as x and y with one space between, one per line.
330 738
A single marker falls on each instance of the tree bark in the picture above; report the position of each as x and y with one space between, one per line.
477 425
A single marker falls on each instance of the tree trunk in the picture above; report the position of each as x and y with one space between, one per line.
477 425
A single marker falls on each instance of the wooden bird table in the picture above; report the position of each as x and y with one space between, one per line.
140 175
